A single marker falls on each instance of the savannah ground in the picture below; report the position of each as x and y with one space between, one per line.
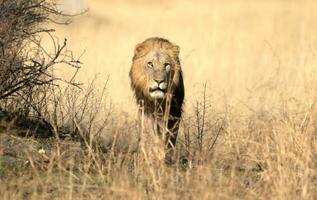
248 130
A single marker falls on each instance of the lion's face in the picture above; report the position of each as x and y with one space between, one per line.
153 69
158 69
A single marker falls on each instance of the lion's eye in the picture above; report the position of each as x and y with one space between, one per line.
150 64
167 67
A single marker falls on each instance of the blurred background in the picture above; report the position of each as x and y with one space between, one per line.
237 47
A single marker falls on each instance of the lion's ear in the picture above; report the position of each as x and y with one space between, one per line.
176 50
139 50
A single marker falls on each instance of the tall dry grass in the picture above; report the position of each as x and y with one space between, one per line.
248 130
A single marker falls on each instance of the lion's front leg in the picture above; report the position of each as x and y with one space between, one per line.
156 126
170 138
172 132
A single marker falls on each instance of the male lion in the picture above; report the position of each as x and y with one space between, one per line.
156 78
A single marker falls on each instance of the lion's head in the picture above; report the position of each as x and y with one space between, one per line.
155 70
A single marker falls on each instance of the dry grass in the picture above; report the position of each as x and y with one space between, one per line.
248 134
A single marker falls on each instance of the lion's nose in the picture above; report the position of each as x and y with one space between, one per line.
159 81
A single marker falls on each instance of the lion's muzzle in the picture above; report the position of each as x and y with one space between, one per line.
158 89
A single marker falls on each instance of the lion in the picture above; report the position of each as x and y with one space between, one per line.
157 81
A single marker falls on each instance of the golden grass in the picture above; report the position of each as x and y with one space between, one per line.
258 140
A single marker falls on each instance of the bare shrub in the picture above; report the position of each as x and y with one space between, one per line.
202 127
27 77
26 67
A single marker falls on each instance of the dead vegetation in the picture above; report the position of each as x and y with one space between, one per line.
260 154
259 144
26 67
